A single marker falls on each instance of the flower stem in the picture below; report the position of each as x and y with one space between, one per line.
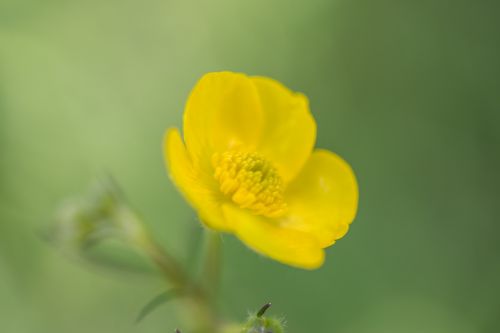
168 265
211 267
197 298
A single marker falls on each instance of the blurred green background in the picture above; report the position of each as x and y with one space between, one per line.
406 91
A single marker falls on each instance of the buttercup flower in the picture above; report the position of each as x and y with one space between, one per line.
248 167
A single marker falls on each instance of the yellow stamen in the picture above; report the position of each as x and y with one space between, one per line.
250 181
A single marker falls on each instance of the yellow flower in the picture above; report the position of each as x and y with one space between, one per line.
248 167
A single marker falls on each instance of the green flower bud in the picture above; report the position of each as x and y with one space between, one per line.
102 213
258 323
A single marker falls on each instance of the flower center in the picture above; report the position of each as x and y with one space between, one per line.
250 181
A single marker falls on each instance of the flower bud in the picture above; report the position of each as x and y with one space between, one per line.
102 213
258 323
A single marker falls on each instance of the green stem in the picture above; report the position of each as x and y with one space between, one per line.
198 300
211 268
167 264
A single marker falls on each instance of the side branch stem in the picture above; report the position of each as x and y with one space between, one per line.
197 297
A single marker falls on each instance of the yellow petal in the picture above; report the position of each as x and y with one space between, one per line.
289 129
194 185
267 237
222 112
323 199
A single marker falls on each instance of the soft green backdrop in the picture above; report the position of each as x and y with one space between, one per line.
406 91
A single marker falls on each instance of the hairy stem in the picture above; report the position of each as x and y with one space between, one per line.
197 298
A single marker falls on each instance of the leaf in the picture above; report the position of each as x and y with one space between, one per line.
155 303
